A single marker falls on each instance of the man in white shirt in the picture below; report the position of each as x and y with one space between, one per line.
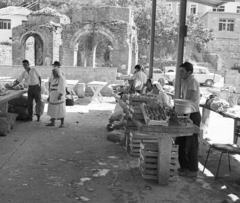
140 78
33 79
188 146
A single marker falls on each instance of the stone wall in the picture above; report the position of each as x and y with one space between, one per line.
82 74
5 54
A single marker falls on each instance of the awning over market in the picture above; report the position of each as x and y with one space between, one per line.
181 34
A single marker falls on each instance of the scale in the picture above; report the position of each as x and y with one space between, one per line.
182 110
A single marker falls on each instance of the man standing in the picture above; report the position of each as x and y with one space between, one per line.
33 79
140 78
188 146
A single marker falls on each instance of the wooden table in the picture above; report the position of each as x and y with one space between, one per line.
165 134
4 99
206 110
96 87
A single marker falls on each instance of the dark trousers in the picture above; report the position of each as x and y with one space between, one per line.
188 147
33 94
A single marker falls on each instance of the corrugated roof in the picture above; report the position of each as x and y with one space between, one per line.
14 10
213 3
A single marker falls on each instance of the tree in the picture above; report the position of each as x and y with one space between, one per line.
197 35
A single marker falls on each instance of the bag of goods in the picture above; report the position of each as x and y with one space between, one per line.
116 136
219 105
5 126
39 108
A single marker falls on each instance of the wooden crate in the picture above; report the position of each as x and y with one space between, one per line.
148 161
135 139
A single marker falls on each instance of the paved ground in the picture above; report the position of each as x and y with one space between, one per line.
44 165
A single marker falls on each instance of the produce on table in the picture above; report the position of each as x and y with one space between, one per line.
3 90
20 86
155 112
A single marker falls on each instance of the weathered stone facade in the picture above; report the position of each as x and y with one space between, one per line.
45 28
227 43
75 43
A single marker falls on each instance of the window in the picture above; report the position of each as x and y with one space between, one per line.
238 9
178 9
219 9
193 8
24 22
169 5
226 25
5 24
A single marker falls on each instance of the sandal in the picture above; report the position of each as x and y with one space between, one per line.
50 124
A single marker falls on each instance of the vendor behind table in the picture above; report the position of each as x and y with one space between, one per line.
140 78
33 78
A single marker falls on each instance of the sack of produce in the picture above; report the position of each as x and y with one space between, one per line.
116 136
20 101
11 117
39 108
21 111
117 125
5 126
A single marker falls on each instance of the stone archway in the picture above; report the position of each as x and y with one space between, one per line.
85 43
102 54
38 47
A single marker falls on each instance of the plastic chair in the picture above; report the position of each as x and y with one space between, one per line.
225 149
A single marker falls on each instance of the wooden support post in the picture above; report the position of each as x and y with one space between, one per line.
164 158
205 120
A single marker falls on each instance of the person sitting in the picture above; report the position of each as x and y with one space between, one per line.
147 87
162 97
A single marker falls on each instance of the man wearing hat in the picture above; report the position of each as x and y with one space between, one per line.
33 78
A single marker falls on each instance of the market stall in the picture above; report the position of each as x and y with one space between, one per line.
162 132
223 101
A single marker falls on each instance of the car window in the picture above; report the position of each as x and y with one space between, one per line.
196 71
202 71
157 71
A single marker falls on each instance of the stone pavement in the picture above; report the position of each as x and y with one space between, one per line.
43 165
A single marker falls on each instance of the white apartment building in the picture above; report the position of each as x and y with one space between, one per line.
11 17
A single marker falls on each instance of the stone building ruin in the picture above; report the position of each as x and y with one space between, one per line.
95 37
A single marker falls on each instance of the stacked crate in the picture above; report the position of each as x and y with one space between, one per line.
148 161
136 138
133 104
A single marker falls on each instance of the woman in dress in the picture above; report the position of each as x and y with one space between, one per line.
57 105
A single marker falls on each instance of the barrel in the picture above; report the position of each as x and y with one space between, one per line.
80 90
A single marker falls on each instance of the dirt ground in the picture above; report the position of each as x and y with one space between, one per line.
42 164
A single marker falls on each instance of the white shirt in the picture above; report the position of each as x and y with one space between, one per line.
31 77
191 84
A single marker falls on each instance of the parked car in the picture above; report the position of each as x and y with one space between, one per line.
169 69
157 73
202 75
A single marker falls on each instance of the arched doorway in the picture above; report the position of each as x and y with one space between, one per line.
102 54
33 49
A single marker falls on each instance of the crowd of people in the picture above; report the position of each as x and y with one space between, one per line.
188 146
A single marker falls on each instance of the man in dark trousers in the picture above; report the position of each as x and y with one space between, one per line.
33 79
188 146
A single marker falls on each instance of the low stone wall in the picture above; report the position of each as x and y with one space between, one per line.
82 74
5 54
